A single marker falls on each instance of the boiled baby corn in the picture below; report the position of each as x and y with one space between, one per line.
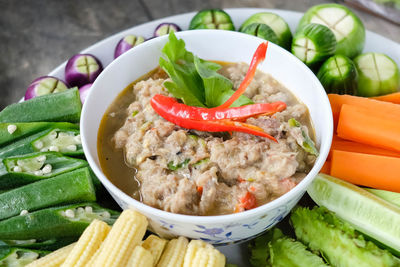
155 245
88 244
54 259
208 257
141 257
125 235
174 253
192 250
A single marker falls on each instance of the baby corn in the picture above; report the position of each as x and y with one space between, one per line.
208 257
141 257
87 245
155 245
54 259
174 253
126 234
192 250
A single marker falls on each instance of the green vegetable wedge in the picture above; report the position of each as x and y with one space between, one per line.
18 257
368 213
392 197
263 31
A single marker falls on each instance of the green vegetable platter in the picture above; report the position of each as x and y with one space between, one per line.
332 49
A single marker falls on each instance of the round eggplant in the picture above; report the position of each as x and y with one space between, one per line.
313 43
127 43
261 30
338 75
276 23
212 19
378 74
347 27
83 91
166 28
82 69
45 85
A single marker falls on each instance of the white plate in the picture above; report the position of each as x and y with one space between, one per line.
104 50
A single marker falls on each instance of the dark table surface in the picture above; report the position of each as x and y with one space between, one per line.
37 36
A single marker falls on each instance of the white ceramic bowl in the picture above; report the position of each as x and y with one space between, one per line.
213 45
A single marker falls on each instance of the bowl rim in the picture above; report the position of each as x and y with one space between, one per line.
198 219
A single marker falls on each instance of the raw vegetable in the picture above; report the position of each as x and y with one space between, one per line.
337 240
277 250
49 244
82 69
195 81
391 197
313 43
45 85
64 106
127 43
65 221
276 23
326 168
172 106
261 30
306 143
378 74
166 28
211 19
368 213
393 98
20 170
70 187
338 75
18 257
369 127
381 172
54 259
346 26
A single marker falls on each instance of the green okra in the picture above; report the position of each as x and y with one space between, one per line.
48 244
20 170
70 187
63 106
15 257
57 222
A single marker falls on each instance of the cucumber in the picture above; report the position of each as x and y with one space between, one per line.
65 221
391 197
71 187
18 257
20 170
313 43
378 74
338 75
346 26
368 213
212 19
263 31
276 23
63 107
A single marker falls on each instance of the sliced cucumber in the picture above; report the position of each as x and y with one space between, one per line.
313 43
378 74
276 23
392 197
338 75
263 31
366 212
347 27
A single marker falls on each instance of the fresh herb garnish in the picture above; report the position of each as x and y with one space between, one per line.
308 144
174 167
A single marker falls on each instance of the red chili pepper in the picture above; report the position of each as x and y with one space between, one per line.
248 201
172 106
211 126
258 57
200 190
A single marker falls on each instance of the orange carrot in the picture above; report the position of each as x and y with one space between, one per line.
326 168
374 171
368 127
344 145
374 105
393 98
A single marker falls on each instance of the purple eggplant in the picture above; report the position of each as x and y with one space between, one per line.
82 69
45 85
83 91
166 28
127 43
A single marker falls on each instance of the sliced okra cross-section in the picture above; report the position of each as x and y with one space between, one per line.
14 256
67 142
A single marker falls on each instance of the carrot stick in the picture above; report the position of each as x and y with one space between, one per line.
344 145
368 127
374 171
393 98
374 105
326 168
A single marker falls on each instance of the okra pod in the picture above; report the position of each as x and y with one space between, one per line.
65 221
63 106
20 170
71 187
10 256
48 244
